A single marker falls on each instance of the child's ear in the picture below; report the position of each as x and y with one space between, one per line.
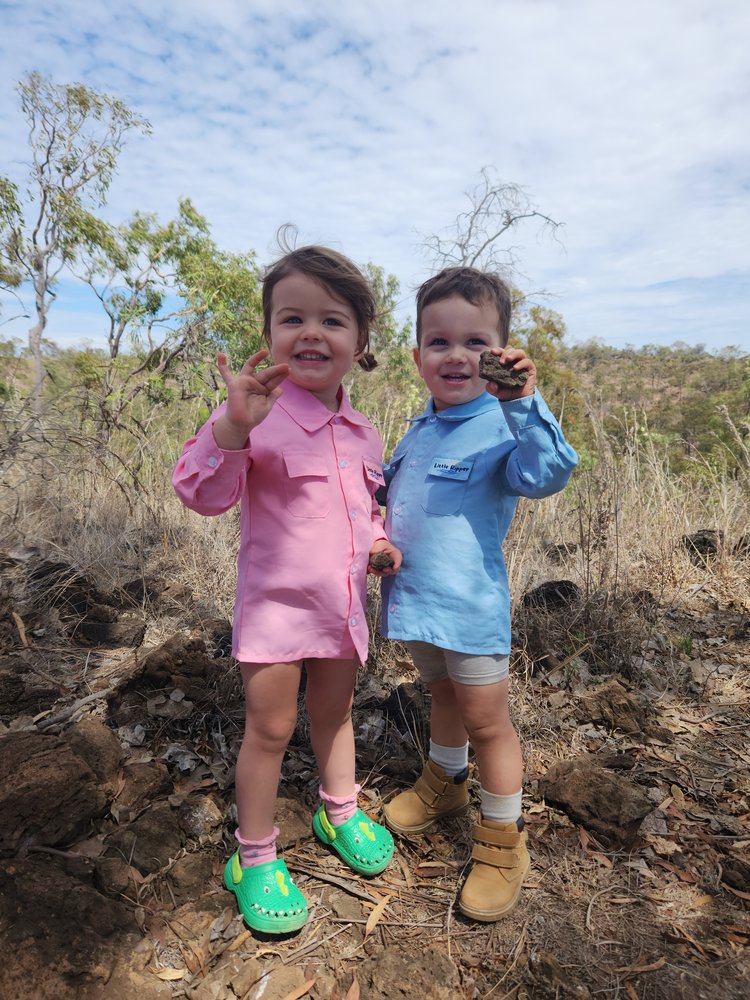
417 359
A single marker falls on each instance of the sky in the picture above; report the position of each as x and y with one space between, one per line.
366 123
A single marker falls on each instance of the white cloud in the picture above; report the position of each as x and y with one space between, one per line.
364 124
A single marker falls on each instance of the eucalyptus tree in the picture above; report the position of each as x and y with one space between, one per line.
171 299
75 136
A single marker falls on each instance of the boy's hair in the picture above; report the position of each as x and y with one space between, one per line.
475 286
334 272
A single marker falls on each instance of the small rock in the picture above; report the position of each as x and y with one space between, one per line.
395 973
98 745
381 560
610 806
277 984
703 545
492 369
200 816
612 703
150 840
552 595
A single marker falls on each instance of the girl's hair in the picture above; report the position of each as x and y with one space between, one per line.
474 286
340 276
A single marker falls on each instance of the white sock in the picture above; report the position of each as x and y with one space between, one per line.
453 760
500 808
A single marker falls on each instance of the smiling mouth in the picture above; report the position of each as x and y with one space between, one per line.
456 379
311 356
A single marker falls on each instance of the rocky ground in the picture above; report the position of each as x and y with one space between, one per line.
120 716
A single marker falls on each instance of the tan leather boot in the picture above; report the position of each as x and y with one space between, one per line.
435 794
501 860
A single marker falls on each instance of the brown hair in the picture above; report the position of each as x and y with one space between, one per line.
334 272
474 286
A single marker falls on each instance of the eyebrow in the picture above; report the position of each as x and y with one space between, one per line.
329 312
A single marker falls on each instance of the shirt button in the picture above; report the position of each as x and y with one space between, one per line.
433 419
353 570
412 465
396 510
353 515
352 621
343 463
393 607
212 461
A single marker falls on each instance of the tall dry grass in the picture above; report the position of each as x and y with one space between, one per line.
623 521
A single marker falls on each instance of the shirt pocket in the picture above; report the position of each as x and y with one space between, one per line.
306 485
444 494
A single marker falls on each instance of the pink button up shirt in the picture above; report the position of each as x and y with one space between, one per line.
308 517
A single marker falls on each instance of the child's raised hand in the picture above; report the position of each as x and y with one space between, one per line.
517 359
250 397
380 567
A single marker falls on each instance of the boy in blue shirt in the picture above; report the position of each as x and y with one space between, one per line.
453 485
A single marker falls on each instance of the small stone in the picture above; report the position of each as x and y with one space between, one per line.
381 560
492 369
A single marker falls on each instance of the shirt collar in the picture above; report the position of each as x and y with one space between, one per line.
464 411
308 411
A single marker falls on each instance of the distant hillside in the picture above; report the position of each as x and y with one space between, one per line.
694 402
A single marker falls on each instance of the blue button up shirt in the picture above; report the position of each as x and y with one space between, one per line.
453 485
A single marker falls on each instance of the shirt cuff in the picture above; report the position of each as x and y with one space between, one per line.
208 455
528 411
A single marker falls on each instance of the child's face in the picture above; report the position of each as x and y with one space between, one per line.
454 334
315 333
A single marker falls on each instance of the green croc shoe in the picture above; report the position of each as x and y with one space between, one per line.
364 845
268 899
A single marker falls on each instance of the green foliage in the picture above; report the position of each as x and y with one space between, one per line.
393 392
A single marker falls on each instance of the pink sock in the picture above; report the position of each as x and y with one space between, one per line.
339 808
257 852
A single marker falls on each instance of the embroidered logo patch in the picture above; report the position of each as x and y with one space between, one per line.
373 471
452 468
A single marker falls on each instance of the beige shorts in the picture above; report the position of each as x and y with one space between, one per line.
436 664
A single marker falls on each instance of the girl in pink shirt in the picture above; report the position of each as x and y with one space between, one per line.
305 467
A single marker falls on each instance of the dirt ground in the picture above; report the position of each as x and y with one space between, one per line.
120 718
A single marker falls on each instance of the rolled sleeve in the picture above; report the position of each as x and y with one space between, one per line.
542 461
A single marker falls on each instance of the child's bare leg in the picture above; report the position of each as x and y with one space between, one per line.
329 698
500 855
270 717
484 711
361 843
446 726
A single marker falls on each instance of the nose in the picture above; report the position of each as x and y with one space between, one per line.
310 330
455 353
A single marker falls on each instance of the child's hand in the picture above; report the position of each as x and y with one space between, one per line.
517 359
250 396
384 546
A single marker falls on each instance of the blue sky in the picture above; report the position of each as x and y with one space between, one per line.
365 123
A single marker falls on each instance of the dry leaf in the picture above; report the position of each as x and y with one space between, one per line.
375 916
661 845
353 992
702 900
170 975
602 859
679 798
632 969
735 892
301 990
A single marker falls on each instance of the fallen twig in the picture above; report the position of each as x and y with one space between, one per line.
66 713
